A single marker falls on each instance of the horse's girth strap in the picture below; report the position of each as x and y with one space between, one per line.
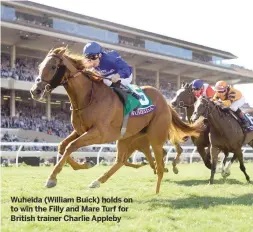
124 126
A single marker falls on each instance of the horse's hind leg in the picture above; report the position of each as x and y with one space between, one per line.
242 167
142 144
158 131
145 149
124 151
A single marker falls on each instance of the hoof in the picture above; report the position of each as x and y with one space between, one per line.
225 174
166 170
51 183
175 170
95 184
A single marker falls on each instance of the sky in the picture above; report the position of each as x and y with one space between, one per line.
224 25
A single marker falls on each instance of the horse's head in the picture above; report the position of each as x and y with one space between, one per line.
54 71
201 108
184 96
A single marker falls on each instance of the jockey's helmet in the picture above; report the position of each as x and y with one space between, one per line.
92 50
221 86
197 84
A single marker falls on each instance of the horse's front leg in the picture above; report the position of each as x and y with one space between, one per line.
88 138
214 154
61 149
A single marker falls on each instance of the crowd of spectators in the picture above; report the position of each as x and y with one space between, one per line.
26 70
29 118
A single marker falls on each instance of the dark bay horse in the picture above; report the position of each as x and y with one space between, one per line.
97 116
225 133
186 99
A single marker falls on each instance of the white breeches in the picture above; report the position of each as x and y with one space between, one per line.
237 104
124 81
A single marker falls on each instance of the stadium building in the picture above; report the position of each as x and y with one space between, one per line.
29 30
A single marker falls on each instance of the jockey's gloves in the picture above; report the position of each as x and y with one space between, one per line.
115 78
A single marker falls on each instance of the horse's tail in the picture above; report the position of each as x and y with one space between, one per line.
178 130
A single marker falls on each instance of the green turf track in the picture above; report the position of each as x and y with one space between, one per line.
186 202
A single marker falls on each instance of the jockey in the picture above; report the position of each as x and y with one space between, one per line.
231 98
108 64
200 88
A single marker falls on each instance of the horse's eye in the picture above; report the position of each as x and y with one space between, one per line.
53 67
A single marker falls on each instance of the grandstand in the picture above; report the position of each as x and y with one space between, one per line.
29 30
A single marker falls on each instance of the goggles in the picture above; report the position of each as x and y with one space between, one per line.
92 57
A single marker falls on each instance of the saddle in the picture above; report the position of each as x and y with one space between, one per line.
246 123
123 93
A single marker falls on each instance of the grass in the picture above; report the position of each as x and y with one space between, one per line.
186 202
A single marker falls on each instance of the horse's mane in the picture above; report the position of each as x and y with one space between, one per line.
77 60
186 85
218 108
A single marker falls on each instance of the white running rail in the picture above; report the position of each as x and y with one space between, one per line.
189 152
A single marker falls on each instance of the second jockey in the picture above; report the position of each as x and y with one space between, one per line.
200 88
232 98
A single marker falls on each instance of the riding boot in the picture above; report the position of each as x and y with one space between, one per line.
128 91
244 121
121 93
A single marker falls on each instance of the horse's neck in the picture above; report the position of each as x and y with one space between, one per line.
82 91
79 90
189 111
219 121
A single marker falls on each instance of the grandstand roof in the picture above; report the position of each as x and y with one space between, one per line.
169 67
119 27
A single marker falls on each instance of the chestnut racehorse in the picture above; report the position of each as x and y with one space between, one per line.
97 116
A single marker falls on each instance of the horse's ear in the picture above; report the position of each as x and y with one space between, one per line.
190 85
182 84
62 51
51 50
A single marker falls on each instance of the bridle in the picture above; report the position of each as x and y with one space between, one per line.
74 72
182 104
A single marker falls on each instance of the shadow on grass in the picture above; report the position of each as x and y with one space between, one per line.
199 202
205 182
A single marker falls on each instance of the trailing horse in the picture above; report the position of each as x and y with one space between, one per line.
225 133
97 117
186 99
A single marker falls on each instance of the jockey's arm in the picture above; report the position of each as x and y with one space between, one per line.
215 97
226 103
233 96
122 68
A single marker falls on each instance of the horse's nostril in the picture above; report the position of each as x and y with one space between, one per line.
38 91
